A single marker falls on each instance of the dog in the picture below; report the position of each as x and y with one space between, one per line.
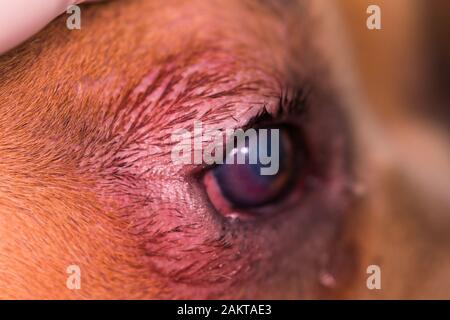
88 192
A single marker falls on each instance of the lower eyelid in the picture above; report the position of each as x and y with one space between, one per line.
215 195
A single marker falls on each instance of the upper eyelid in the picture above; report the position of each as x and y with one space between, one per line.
174 96
291 102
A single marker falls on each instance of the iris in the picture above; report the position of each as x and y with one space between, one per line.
243 185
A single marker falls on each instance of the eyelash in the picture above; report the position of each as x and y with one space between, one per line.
296 105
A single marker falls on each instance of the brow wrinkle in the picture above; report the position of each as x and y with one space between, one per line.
205 86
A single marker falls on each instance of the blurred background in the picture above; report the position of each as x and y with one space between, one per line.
403 72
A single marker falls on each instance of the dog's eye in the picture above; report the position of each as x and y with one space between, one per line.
289 161
260 169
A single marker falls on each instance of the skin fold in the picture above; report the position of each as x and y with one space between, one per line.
86 178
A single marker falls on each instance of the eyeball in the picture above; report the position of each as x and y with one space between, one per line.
268 170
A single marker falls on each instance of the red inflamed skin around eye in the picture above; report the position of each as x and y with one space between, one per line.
198 241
